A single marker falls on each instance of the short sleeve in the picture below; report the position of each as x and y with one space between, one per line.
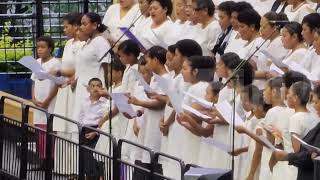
295 126
102 46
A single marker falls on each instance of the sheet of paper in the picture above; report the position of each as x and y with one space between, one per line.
226 111
224 147
277 62
45 75
195 112
306 145
121 101
31 63
202 102
297 67
267 143
142 82
131 36
275 68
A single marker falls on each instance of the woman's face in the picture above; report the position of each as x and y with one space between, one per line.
221 69
143 5
246 32
157 12
224 20
187 72
316 43
181 10
307 34
267 94
234 21
126 3
150 65
266 29
287 39
87 28
170 61
69 29
291 98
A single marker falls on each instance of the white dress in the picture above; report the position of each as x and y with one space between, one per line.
296 56
64 107
113 20
302 122
190 144
152 137
235 42
164 35
87 67
208 36
42 89
261 6
298 13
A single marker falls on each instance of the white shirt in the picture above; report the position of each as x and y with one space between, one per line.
298 13
42 88
92 112
296 56
302 122
235 42
113 20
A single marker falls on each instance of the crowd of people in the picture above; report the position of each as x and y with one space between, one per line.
197 46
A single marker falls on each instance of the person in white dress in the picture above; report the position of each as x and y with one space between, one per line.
292 40
315 62
210 28
118 15
90 61
154 107
297 9
160 31
65 98
138 28
44 91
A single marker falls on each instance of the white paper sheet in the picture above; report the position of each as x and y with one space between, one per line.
226 111
306 145
297 67
277 62
202 102
195 112
224 147
275 68
267 143
121 101
142 82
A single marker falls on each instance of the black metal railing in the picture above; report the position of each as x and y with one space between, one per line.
38 152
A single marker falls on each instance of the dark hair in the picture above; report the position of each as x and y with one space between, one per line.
73 18
129 47
189 47
49 42
205 4
95 18
302 90
204 65
250 17
291 77
273 16
245 74
142 61
227 7
275 83
159 53
231 60
312 20
117 65
165 4
94 79
294 28
216 87
172 48
241 6
258 100
316 91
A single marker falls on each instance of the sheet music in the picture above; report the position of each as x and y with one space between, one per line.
306 145
226 111
131 36
142 82
277 62
275 68
195 112
202 102
121 101
224 147
267 143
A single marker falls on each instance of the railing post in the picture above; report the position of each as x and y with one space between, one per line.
116 155
1 128
39 19
24 142
86 6
81 158
49 147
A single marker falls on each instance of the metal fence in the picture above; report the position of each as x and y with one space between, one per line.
38 152
22 21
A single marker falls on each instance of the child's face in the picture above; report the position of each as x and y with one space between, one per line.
43 49
94 88
221 69
257 111
170 61
151 64
124 58
267 94
116 76
246 104
69 29
146 74
187 72
316 103
210 96
291 98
